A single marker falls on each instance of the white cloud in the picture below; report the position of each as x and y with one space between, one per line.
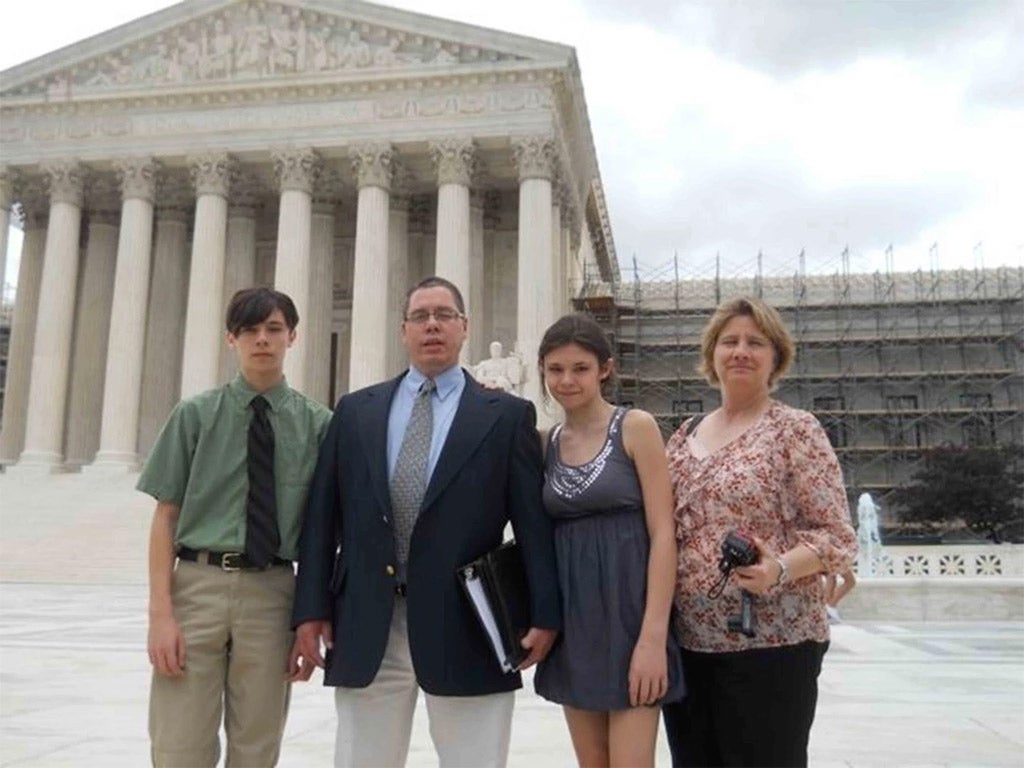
719 129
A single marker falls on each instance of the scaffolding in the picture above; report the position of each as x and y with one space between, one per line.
891 363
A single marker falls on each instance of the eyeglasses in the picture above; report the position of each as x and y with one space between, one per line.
443 315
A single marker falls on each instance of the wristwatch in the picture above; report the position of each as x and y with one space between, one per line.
783 572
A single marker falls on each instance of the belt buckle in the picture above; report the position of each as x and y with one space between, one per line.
232 561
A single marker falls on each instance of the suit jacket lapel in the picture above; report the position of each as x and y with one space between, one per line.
476 414
373 434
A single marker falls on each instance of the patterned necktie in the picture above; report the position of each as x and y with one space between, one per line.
409 482
262 538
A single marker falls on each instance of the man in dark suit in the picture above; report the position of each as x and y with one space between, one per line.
416 477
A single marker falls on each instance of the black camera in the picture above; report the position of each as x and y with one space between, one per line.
739 550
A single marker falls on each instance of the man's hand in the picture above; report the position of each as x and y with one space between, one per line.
538 641
308 637
166 646
300 668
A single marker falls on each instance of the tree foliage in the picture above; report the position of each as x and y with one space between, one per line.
982 486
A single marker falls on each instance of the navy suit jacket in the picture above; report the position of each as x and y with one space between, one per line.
489 472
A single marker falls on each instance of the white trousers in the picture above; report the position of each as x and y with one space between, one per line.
375 723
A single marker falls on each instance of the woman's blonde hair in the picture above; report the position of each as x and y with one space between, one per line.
767 320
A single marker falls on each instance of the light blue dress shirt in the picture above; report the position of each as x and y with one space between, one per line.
444 402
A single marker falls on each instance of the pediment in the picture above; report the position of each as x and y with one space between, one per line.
221 42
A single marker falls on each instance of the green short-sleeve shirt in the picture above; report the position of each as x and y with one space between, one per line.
199 464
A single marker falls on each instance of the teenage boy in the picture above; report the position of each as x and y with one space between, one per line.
230 472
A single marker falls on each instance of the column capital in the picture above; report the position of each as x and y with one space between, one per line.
8 178
296 169
66 181
534 156
454 159
373 164
33 208
137 176
211 173
400 203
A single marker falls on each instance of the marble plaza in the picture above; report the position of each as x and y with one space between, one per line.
74 675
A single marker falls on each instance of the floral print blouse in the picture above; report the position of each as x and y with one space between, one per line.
780 481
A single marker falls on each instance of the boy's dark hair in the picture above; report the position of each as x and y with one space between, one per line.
251 306
435 282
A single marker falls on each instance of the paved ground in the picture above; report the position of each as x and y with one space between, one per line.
74 676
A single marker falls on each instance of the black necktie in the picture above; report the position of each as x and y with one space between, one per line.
262 538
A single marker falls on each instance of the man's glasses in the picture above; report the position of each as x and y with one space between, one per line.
443 315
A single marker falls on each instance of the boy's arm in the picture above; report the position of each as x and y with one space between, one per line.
166 644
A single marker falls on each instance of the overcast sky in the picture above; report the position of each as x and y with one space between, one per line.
736 126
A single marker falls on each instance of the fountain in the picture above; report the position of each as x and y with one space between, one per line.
868 540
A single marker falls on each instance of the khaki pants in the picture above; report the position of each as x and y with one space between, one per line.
375 723
237 641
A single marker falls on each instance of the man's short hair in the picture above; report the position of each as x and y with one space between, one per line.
435 282
251 306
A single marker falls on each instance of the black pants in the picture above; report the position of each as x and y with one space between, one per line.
749 708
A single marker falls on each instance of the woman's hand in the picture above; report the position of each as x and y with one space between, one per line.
648 673
763 575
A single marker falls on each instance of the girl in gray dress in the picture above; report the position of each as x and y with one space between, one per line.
607 488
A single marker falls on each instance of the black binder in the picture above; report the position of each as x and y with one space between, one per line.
498 591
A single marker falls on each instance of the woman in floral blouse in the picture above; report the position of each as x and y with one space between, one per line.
766 469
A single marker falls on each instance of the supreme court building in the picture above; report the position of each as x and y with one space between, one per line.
334 149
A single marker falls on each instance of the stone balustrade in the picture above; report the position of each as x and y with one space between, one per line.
907 561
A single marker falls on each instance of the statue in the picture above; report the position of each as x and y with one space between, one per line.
868 539
504 373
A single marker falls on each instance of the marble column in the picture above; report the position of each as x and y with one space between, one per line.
122 390
535 159
92 326
454 160
23 329
6 200
478 342
296 171
374 167
557 301
239 264
398 281
204 317
318 319
165 332
51 355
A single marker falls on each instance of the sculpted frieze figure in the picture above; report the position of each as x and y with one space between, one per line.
251 43
252 40
220 47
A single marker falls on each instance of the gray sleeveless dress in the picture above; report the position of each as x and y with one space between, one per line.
601 546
